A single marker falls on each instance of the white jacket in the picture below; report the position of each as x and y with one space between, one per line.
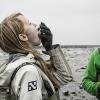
28 84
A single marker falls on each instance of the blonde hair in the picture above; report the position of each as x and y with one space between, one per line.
10 28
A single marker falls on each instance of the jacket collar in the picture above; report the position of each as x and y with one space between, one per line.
14 57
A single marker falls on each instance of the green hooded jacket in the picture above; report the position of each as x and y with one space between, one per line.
90 82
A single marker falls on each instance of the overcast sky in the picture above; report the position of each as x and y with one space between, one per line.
72 22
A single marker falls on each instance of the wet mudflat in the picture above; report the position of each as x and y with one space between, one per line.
77 59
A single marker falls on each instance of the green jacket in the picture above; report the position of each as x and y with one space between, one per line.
90 82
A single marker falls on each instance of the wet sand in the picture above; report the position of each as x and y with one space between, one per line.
77 59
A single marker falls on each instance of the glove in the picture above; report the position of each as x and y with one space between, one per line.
45 36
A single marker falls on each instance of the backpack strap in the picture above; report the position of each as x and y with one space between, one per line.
46 83
16 70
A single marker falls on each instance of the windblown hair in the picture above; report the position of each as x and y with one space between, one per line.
10 28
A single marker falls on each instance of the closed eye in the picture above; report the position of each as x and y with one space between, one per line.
30 23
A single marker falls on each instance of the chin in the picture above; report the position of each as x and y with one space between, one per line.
37 44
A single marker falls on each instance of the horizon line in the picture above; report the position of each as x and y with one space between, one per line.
76 46
79 46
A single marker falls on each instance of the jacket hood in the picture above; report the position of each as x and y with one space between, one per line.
8 63
4 57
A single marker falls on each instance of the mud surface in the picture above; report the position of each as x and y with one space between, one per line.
77 58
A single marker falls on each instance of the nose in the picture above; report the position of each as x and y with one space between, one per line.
34 24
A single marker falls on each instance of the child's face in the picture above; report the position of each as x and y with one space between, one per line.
31 31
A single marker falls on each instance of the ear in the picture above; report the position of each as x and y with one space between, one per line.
23 37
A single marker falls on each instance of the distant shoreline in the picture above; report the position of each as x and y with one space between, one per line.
77 46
